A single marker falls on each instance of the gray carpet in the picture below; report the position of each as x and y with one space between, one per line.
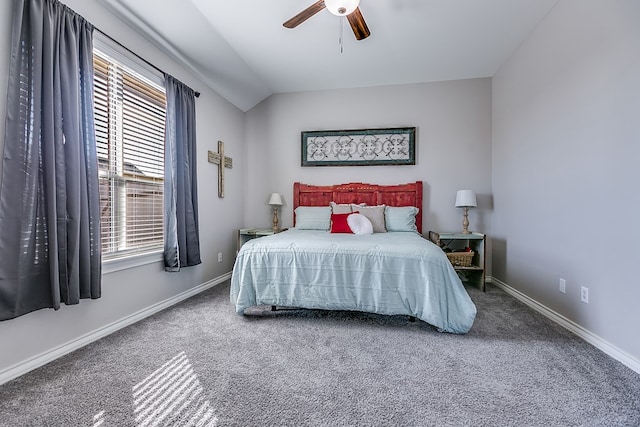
198 363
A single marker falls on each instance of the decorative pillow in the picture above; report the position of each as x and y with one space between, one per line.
339 208
339 223
359 224
375 214
313 218
401 218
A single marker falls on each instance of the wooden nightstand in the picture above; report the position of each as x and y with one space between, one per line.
475 273
246 234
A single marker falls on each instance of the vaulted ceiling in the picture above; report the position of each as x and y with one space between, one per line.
241 50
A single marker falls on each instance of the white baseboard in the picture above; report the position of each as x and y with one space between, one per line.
50 355
593 339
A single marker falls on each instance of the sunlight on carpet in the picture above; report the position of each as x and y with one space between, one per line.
98 419
170 394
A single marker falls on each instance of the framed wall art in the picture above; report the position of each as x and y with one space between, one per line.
364 147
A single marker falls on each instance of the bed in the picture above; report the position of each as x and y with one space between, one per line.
397 272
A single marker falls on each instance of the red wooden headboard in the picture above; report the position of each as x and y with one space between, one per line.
357 192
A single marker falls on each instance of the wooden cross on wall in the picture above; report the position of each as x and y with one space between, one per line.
222 162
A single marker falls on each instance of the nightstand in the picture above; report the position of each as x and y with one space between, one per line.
246 234
475 273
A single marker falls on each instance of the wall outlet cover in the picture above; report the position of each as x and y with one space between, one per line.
584 295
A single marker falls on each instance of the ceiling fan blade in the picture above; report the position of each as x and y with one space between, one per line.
305 14
359 27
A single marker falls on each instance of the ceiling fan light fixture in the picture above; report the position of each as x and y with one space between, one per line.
341 7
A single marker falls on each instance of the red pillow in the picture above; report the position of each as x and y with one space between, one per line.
339 223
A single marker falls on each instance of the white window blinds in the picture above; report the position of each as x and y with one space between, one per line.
130 120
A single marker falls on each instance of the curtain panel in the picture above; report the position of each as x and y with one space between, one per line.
49 197
182 241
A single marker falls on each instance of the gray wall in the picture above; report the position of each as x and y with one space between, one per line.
566 145
453 145
129 291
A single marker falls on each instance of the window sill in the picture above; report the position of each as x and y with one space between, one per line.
118 264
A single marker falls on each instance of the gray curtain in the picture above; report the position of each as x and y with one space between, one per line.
49 200
182 241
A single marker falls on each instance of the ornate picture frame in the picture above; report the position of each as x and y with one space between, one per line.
359 147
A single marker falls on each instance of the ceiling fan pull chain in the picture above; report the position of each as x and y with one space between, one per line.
341 33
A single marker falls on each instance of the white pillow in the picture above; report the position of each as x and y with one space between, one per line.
401 218
359 224
313 218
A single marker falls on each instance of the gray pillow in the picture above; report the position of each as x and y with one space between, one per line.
338 208
375 215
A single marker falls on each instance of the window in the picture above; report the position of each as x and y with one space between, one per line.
129 109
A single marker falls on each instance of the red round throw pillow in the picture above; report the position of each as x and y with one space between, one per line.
339 223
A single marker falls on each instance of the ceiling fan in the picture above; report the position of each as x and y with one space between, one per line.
348 8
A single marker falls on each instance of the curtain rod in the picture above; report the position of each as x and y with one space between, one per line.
197 94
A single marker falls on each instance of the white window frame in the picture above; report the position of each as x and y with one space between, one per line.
123 260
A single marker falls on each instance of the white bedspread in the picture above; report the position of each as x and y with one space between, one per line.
385 273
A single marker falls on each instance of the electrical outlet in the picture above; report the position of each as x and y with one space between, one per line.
219 256
584 295
563 286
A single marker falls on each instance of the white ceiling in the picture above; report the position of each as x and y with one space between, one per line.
241 50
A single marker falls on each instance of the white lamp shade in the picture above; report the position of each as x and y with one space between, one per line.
341 7
466 198
275 199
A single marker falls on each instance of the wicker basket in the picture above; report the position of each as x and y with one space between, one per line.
460 259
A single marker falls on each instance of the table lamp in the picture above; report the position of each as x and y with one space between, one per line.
466 199
276 201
